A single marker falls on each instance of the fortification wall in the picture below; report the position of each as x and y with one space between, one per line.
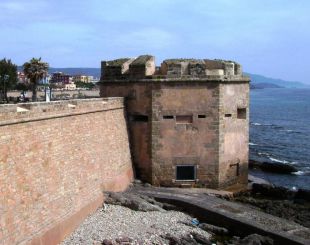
55 160
139 111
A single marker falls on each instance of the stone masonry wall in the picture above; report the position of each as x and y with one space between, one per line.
185 143
234 134
55 160
138 102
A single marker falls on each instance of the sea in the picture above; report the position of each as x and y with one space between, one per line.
280 132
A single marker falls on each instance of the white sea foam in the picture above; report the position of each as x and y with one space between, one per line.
263 154
299 173
287 130
262 124
250 143
256 124
277 160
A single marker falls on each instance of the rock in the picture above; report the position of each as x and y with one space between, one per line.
303 194
253 239
201 239
273 191
214 229
273 167
132 201
184 240
147 185
137 182
188 239
107 242
168 206
253 179
124 240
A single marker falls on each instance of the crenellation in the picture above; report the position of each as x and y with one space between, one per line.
143 66
144 69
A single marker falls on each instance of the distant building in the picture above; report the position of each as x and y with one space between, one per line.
188 120
83 78
70 86
59 78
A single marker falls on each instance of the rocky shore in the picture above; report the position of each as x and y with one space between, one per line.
279 201
128 218
272 167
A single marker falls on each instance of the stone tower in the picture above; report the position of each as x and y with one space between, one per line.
188 119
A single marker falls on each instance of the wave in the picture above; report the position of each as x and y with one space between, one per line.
290 131
250 143
302 173
263 154
256 124
274 126
277 160
261 124
299 173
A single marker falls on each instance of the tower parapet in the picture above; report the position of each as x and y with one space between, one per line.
143 67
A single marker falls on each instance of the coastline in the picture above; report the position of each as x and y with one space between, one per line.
226 220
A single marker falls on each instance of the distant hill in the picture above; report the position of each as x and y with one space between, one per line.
264 85
260 81
257 81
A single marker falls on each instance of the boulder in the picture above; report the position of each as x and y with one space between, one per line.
214 229
273 191
133 201
273 167
303 194
253 239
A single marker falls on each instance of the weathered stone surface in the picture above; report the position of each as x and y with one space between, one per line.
134 202
214 229
188 239
252 239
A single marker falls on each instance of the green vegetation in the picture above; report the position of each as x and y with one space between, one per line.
80 84
8 77
35 70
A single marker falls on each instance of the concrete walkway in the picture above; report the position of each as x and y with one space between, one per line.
238 218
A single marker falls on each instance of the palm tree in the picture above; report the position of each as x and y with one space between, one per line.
35 70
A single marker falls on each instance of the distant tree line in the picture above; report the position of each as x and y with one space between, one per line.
80 84
8 77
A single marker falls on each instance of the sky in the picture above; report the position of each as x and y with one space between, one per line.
268 37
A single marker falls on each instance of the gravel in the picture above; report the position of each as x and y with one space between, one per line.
118 222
